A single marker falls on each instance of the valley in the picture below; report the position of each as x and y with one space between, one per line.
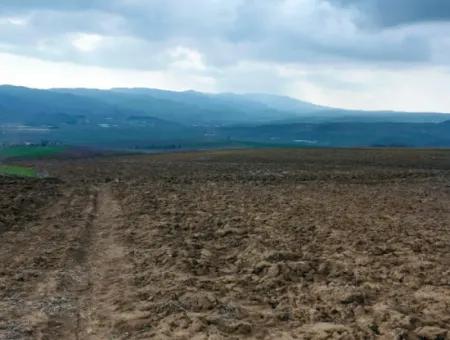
151 119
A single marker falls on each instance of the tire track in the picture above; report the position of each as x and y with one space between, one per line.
108 271
77 213
47 264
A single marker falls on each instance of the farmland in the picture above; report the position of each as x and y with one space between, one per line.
14 170
259 244
30 151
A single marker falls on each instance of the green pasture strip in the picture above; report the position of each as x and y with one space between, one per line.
15 170
30 151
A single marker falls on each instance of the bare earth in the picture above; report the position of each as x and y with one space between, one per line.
250 244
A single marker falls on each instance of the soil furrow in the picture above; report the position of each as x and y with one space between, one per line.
108 272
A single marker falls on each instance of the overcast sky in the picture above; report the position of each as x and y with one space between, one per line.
369 54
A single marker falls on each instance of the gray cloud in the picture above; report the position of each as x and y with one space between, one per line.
210 34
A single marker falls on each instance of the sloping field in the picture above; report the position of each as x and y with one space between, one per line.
250 244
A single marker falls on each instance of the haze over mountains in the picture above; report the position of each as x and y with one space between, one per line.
152 118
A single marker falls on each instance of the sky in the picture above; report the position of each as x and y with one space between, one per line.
358 54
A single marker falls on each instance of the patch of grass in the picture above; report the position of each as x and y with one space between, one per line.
15 170
30 151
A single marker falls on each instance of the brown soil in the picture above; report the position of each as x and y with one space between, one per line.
265 244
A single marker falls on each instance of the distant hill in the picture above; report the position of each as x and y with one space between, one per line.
188 107
31 115
191 107
285 103
141 117
21 104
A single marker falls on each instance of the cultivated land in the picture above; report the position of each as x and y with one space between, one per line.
14 170
258 244
30 151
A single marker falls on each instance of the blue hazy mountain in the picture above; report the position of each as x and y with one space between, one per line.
285 103
188 107
141 117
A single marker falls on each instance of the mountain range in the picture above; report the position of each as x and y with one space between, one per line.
152 118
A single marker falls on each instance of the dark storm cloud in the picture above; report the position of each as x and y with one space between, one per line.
147 34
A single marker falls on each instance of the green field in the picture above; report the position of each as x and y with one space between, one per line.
30 151
14 170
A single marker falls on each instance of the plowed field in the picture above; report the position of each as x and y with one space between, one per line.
249 244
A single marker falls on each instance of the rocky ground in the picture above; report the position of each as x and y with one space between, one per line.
249 244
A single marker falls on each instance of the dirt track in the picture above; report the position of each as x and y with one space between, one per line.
243 244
